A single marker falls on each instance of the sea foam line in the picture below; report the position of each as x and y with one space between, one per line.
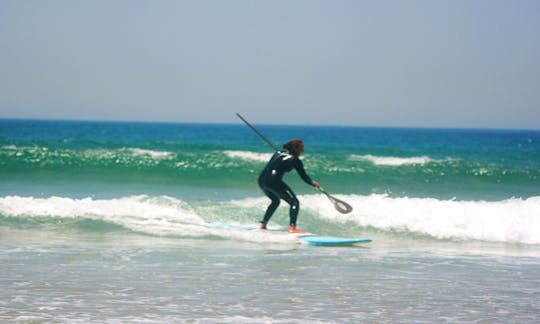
250 156
153 154
159 216
394 161
513 220
100 152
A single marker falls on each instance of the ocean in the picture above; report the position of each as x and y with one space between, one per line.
108 222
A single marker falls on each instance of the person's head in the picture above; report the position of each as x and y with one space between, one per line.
294 146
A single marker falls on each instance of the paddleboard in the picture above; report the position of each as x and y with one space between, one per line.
309 238
332 240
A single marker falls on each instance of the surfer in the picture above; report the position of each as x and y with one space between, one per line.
272 184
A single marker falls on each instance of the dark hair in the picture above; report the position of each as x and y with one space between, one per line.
292 145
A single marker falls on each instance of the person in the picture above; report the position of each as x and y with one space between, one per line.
272 184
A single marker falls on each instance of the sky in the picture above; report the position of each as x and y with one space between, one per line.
414 63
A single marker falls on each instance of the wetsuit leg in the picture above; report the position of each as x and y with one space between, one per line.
277 191
273 205
289 196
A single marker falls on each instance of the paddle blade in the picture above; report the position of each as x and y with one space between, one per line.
339 205
342 207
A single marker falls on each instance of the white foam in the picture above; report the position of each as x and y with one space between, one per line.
512 220
97 153
21 149
153 154
394 161
160 216
250 156
9 147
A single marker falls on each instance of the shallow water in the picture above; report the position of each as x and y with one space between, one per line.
113 278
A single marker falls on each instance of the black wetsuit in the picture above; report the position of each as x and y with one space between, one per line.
271 183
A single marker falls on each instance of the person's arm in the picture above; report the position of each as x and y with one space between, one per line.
299 166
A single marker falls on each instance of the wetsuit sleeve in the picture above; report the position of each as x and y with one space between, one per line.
299 166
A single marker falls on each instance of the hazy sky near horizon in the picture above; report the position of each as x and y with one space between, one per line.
423 63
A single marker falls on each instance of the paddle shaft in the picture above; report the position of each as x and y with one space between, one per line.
258 133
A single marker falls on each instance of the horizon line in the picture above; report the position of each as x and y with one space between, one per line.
267 124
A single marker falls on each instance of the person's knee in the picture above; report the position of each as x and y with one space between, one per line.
275 201
295 204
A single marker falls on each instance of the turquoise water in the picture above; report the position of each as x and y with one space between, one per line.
108 221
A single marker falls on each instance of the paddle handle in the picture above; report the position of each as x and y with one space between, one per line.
258 133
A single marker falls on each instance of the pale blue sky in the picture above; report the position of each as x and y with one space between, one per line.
429 63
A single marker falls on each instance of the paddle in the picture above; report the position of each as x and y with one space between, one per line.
339 205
